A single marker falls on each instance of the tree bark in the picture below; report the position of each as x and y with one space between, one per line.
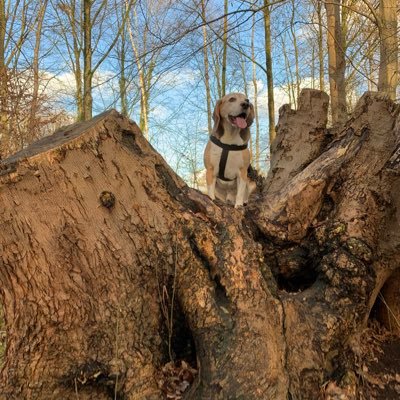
3 83
145 72
320 47
224 48
289 74
389 48
122 81
337 64
87 60
99 237
270 76
295 48
206 67
33 118
255 101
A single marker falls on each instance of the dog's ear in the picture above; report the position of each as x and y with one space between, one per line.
250 117
245 133
218 129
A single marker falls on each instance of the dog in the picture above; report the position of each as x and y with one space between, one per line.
226 156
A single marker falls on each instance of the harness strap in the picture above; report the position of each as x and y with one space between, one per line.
226 148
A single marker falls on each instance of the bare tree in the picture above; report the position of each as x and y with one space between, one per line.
82 29
337 63
35 66
389 47
296 50
3 78
320 47
269 70
25 108
225 49
68 27
255 100
144 66
123 85
206 65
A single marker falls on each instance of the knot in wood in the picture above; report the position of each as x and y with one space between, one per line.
107 199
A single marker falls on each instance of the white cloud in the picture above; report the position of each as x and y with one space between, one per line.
280 96
160 111
61 84
65 82
179 78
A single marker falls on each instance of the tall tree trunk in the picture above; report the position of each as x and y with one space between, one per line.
289 74
320 47
296 51
370 73
389 48
268 64
313 67
99 238
337 64
34 129
87 60
246 93
79 91
255 100
224 48
206 66
122 78
144 74
76 61
3 83
216 67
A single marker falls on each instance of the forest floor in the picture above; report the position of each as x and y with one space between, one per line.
372 371
380 371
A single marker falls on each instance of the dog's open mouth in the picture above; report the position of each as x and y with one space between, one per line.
238 120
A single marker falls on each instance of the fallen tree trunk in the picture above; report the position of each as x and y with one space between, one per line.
110 265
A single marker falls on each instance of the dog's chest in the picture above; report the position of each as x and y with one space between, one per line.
234 162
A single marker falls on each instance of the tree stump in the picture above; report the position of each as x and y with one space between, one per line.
110 265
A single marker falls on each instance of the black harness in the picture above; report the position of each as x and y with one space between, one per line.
226 148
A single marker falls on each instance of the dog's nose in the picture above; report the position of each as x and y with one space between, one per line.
246 104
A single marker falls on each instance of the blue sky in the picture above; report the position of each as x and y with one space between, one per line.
178 116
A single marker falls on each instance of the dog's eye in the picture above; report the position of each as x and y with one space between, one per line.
232 99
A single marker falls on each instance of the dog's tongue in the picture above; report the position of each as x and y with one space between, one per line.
240 122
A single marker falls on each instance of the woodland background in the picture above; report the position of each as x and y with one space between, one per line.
165 63
326 220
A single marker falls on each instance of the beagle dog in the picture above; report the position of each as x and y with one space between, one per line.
226 156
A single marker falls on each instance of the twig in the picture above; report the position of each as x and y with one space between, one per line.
390 311
76 388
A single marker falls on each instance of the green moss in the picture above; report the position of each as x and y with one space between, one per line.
359 249
338 228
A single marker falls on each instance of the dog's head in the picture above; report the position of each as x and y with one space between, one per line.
235 109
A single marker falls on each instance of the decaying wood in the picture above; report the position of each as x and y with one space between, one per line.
301 137
109 262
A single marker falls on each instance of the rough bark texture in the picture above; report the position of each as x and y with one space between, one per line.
99 237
